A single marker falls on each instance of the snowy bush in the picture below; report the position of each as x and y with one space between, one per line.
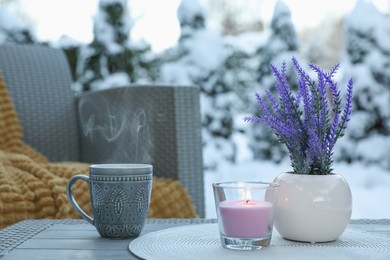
367 60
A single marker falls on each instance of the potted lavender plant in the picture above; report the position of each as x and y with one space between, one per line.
314 203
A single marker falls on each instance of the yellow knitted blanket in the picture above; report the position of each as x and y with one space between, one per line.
31 187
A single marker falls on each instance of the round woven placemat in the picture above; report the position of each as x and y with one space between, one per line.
202 242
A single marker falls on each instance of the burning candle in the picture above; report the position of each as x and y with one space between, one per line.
246 218
245 214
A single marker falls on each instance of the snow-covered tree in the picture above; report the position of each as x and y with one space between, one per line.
13 29
367 61
280 47
112 59
198 59
238 74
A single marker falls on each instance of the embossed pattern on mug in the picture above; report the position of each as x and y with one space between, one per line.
118 199
141 199
124 209
99 200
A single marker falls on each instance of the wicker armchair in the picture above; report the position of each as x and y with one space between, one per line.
151 124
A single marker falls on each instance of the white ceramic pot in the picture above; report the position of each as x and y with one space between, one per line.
312 208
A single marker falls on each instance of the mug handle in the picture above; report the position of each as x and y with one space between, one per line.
73 201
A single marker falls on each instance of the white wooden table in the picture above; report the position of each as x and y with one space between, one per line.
76 239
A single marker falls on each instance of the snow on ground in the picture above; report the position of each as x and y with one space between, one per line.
370 185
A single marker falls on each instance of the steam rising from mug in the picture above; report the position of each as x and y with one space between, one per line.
115 128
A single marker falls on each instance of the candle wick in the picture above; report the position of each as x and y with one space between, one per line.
247 201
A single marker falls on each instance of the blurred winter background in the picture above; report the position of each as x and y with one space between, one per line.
225 48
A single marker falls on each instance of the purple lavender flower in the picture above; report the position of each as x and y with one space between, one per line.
310 123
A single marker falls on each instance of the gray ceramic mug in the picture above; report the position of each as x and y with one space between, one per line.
120 198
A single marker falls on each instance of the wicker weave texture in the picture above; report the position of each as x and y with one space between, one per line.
39 79
160 125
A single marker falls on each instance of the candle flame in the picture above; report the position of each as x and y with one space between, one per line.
246 195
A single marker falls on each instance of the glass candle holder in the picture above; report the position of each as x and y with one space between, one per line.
245 213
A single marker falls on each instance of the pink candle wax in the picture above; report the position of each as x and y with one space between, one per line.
246 219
